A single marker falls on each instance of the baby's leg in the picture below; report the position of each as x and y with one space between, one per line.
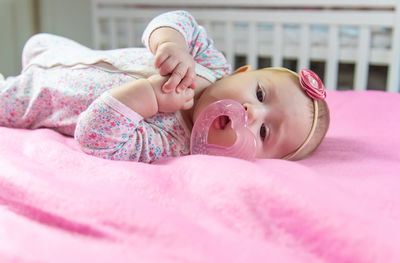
14 102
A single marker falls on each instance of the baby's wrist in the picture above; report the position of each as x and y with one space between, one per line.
164 35
156 82
153 102
138 95
174 44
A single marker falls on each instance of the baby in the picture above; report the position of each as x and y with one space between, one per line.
140 103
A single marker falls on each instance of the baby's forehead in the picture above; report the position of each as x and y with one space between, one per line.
280 80
286 85
280 73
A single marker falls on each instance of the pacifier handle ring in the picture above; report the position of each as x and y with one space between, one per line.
245 145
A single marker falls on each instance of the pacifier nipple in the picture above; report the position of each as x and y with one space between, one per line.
245 145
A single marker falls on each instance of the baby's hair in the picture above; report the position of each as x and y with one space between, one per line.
322 121
319 133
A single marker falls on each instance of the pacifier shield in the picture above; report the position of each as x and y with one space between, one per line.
245 145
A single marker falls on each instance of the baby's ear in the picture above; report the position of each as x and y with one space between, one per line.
243 69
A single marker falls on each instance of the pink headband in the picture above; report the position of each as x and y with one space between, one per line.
314 88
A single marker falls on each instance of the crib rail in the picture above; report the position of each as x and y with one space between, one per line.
241 31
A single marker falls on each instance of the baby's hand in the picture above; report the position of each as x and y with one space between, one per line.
172 101
175 60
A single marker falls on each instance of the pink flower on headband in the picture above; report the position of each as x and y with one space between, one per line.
312 84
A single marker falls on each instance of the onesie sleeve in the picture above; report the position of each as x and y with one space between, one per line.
201 47
108 129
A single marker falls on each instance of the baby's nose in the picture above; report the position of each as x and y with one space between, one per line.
253 112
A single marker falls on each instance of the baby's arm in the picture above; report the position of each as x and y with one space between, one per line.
113 127
172 58
200 47
145 96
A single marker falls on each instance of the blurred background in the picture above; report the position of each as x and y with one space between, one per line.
20 19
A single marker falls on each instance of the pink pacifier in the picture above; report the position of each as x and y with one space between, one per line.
245 145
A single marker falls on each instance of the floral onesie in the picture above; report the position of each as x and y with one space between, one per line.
63 86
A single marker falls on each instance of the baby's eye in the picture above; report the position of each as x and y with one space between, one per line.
263 131
260 94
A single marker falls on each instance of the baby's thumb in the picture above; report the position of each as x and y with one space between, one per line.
188 104
189 93
189 101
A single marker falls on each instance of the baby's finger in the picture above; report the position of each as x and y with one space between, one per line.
176 77
193 86
194 75
188 81
168 66
160 59
171 83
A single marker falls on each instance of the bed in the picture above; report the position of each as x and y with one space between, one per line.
58 204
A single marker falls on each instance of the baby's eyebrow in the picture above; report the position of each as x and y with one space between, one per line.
269 88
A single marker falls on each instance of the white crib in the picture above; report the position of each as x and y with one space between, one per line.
360 32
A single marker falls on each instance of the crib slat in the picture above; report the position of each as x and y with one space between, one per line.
333 58
277 53
252 46
229 43
113 35
362 65
304 59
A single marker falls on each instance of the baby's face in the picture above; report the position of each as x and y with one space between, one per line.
279 113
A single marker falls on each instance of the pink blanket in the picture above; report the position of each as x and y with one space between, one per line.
58 204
